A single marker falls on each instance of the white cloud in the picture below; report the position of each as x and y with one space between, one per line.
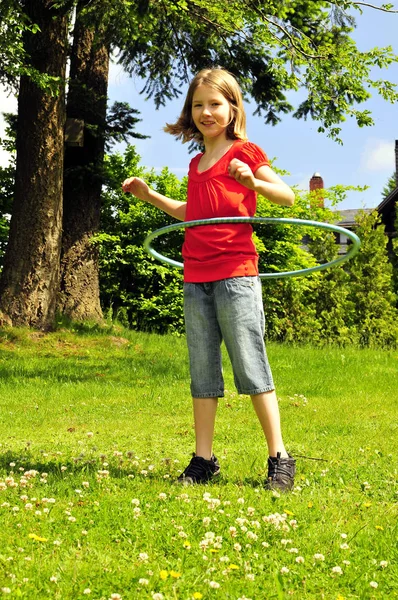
378 155
8 103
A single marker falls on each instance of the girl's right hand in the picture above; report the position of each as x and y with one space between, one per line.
137 187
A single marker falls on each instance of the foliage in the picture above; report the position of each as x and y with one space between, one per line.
390 185
373 314
95 428
14 59
273 48
352 303
140 291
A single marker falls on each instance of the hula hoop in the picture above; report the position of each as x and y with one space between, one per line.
215 221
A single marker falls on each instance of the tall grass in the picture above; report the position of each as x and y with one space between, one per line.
95 427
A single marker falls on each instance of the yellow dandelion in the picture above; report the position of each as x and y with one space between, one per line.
175 574
340 597
197 596
33 536
213 550
187 545
288 512
367 504
310 505
233 567
379 527
163 575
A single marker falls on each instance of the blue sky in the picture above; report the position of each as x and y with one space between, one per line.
367 154
366 157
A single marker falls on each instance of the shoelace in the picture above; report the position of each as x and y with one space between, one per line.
279 469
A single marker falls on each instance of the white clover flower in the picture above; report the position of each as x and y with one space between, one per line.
284 570
157 596
89 434
240 500
233 531
383 564
224 559
53 579
143 581
299 559
293 550
206 521
115 597
337 570
374 584
343 535
6 590
250 576
344 546
135 501
87 591
143 556
319 557
237 547
285 542
162 496
214 585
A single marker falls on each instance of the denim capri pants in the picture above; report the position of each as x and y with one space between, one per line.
230 310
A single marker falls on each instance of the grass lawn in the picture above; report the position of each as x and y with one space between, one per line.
96 426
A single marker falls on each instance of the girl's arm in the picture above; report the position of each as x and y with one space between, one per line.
264 181
142 191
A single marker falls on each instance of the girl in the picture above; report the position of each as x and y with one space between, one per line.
222 291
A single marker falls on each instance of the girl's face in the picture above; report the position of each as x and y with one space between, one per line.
211 112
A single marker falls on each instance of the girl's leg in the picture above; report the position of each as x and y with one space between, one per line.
267 410
204 410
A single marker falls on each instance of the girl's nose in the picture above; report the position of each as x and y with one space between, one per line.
206 110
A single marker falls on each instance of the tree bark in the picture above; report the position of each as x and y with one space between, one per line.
87 101
30 278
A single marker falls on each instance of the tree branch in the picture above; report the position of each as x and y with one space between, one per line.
357 3
285 32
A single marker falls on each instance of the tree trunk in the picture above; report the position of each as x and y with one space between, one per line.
87 101
30 278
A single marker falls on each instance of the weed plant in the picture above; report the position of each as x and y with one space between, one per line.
96 426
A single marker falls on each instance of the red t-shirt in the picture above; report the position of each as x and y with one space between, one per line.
213 252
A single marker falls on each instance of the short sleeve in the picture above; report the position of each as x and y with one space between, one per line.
252 155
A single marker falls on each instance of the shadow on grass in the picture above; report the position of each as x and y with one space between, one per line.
76 467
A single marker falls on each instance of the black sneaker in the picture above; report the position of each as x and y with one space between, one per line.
281 473
199 470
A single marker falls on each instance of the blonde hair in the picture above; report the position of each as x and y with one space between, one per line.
225 83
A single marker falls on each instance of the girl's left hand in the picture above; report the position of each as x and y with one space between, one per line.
242 173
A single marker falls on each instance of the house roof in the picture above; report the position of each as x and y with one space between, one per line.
348 217
392 197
